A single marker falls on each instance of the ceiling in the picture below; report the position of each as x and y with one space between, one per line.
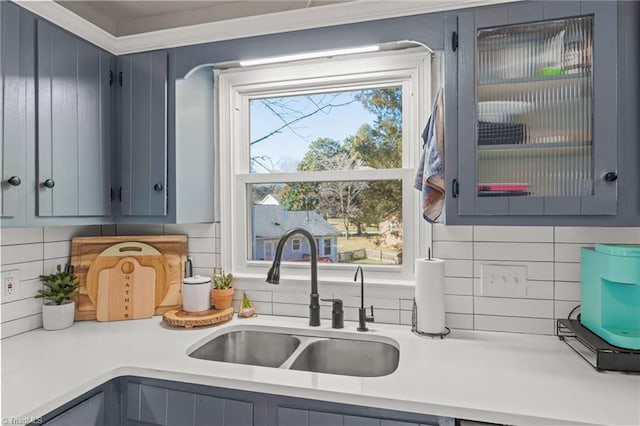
128 17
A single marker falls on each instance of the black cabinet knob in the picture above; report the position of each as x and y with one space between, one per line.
611 177
49 183
157 187
14 181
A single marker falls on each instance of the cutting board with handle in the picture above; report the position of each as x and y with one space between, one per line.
126 291
165 254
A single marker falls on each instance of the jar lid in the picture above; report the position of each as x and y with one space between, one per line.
197 280
626 250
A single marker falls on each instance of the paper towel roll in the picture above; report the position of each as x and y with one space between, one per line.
429 295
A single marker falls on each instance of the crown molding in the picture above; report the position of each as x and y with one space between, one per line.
293 20
71 22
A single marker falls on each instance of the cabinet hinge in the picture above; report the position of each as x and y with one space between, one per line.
120 78
110 78
454 41
455 188
120 194
113 194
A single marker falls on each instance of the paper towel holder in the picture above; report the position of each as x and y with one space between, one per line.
414 325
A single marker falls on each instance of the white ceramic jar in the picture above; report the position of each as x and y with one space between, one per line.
196 294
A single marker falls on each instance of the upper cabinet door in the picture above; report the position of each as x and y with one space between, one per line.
143 134
537 116
74 125
17 65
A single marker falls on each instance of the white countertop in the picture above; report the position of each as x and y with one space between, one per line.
495 377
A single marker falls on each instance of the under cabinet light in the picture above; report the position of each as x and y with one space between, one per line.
309 55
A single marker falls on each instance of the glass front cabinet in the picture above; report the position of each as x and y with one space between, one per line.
536 110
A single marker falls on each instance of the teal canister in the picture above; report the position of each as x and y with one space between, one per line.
610 293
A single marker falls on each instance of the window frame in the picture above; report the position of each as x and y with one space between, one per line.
408 68
293 245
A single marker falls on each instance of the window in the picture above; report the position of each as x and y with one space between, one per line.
329 145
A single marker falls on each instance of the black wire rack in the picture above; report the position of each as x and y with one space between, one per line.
598 353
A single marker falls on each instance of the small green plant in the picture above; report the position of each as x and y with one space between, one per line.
222 281
60 286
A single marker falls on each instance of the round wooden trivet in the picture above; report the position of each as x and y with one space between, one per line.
180 318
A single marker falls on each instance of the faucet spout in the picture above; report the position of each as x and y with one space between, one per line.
273 276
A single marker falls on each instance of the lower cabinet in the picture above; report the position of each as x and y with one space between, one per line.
135 401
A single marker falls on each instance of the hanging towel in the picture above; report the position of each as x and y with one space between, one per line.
430 176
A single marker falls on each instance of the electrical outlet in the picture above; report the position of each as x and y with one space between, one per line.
503 281
9 284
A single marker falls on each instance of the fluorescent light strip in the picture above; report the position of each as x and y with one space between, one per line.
310 55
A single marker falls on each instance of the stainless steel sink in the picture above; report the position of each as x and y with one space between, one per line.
249 347
348 357
298 350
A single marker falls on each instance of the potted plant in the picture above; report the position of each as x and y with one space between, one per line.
222 292
59 309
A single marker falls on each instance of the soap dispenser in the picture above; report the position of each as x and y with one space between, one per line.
337 313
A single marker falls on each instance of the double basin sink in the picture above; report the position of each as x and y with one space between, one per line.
297 350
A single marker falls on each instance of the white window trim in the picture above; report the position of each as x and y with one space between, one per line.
236 87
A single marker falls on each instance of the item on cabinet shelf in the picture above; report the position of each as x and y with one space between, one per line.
494 133
165 254
503 186
428 313
577 48
126 291
593 349
222 292
61 288
196 294
247 308
610 293
180 318
500 111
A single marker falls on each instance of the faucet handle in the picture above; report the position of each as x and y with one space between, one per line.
370 318
337 313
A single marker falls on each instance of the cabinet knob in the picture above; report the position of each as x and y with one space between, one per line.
611 177
49 183
157 187
14 181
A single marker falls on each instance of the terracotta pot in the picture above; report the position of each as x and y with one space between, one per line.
222 299
58 317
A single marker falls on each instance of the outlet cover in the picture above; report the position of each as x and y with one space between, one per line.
503 281
9 280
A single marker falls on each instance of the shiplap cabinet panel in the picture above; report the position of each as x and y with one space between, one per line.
87 413
143 133
74 125
17 65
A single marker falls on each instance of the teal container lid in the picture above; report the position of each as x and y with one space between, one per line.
626 250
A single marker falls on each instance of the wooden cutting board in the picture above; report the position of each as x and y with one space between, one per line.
166 254
126 291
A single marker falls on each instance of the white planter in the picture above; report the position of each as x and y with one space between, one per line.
57 317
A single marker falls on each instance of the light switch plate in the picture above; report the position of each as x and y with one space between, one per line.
503 281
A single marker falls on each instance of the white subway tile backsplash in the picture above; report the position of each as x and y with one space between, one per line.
458 304
57 249
567 271
569 252
457 285
452 250
136 229
459 321
20 309
254 295
452 233
458 268
531 308
21 253
533 289
66 233
513 251
203 260
192 230
592 235
566 290
50 265
10 236
406 304
405 317
203 272
23 289
384 316
525 234
201 245
562 308
514 324
290 310
22 325
28 270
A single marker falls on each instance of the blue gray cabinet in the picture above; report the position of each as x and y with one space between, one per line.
553 110
17 59
142 143
74 125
